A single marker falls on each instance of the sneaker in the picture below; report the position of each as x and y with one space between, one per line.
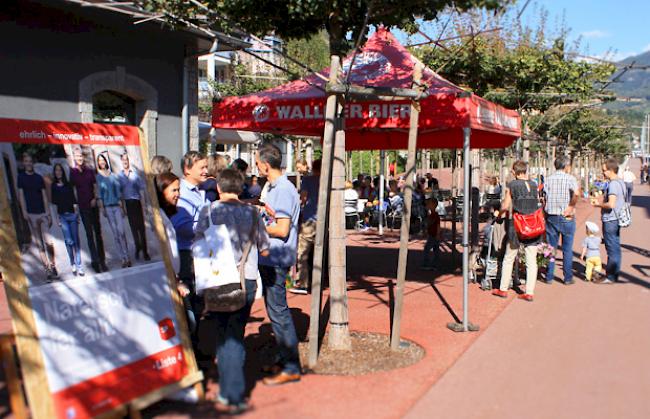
527 297
55 273
569 282
49 276
280 379
80 271
604 281
232 408
74 270
186 395
298 290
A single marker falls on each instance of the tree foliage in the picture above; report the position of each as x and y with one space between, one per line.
299 19
532 70
519 67
312 52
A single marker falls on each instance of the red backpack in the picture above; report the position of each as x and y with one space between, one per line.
529 226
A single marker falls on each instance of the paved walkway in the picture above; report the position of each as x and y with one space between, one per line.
580 351
577 351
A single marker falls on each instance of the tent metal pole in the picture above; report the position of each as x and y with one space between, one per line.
466 213
382 167
465 325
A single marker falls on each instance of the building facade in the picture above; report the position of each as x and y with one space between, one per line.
99 61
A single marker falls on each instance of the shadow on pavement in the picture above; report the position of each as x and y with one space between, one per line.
635 249
642 202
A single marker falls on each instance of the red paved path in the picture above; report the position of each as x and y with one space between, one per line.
577 352
586 352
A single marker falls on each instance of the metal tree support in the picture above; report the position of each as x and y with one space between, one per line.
465 325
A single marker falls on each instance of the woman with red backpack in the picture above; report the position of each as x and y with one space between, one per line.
525 228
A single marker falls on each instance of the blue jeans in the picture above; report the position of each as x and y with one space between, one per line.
612 239
556 226
231 352
275 298
432 245
70 229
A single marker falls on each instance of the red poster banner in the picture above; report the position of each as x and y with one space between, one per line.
109 390
24 131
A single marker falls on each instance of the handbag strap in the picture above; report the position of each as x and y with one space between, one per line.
247 250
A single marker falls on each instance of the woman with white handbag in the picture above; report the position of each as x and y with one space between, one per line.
229 235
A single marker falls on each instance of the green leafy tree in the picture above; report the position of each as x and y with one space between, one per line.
312 51
300 19
528 69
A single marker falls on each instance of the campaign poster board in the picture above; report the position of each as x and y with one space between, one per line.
75 198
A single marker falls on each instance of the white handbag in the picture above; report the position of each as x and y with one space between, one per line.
214 259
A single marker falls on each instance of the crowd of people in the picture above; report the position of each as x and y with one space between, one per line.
212 193
271 224
557 199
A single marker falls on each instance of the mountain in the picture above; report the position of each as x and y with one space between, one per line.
635 83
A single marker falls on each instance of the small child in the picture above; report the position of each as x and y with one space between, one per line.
591 250
433 236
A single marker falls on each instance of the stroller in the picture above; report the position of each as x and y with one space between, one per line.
492 252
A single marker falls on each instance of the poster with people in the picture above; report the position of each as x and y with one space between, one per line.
91 263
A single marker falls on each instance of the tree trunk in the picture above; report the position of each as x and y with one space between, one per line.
322 216
339 334
406 218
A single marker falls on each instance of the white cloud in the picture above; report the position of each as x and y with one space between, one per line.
646 48
595 34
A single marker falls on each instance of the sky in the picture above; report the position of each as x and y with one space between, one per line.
607 29
622 27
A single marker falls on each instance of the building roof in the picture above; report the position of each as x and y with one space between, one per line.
212 40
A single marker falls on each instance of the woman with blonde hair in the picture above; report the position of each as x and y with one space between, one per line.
161 164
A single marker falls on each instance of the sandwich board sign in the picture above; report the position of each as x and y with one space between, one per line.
87 270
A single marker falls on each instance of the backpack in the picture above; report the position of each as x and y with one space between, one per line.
624 215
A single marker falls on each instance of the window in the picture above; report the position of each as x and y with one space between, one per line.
111 107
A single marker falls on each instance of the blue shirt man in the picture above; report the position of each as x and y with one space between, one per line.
282 199
195 171
612 203
190 202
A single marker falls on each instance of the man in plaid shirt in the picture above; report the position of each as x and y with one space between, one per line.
561 193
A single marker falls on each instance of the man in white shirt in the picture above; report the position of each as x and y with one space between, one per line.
628 177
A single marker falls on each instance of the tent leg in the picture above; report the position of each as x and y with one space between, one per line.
465 325
382 161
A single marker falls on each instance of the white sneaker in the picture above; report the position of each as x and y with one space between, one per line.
81 272
74 270
187 395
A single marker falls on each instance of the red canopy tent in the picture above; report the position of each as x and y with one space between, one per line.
298 107
450 117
